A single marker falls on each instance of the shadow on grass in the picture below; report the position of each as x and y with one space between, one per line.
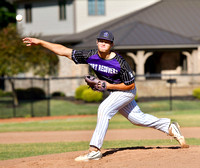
114 150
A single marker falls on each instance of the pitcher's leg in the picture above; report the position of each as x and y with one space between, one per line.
133 113
107 109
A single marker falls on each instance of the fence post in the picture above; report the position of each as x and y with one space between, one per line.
32 107
14 107
14 111
171 81
48 97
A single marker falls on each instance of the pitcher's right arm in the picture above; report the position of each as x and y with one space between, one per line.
56 48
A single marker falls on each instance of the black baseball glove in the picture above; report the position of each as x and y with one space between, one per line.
95 84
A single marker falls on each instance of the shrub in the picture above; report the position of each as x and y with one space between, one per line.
90 95
136 97
58 94
1 93
79 91
8 94
196 93
35 93
4 94
30 93
21 93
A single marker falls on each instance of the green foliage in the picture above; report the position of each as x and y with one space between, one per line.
58 94
30 93
35 93
1 93
21 93
90 95
79 91
16 58
4 94
196 93
87 94
136 97
7 13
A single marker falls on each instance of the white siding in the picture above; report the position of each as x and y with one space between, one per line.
45 15
113 9
45 19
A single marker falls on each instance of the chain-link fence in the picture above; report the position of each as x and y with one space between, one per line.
24 97
35 94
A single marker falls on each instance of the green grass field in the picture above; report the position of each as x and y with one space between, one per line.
63 107
187 117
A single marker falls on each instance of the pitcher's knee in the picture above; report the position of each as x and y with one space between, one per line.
106 112
102 111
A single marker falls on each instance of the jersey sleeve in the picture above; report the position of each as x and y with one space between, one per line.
81 56
126 74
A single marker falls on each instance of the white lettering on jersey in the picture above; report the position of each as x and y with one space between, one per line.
103 68
94 66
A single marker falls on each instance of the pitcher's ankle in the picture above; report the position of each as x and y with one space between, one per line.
93 148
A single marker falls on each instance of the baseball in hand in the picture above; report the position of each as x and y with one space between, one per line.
19 18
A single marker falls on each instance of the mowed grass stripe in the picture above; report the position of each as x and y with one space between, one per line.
185 119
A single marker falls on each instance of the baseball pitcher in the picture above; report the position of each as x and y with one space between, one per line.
115 75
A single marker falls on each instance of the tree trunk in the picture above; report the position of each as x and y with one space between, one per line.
15 99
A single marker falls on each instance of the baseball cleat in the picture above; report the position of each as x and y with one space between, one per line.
174 130
94 155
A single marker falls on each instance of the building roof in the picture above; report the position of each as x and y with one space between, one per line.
168 23
140 35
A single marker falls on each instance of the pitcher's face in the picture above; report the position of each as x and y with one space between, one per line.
104 45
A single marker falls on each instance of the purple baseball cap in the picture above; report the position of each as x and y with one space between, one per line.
106 35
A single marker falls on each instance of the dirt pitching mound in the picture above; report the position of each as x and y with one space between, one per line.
130 157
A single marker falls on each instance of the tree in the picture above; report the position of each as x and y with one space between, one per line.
7 13
16 58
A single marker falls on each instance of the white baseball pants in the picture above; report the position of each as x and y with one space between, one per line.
124 102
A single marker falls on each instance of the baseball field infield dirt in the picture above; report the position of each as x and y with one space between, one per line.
129 157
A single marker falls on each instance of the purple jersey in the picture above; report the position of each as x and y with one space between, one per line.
115 70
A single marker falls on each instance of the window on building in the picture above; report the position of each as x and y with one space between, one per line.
96 7
62 9
28 11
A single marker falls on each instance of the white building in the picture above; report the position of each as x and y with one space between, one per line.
155 29
58 17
